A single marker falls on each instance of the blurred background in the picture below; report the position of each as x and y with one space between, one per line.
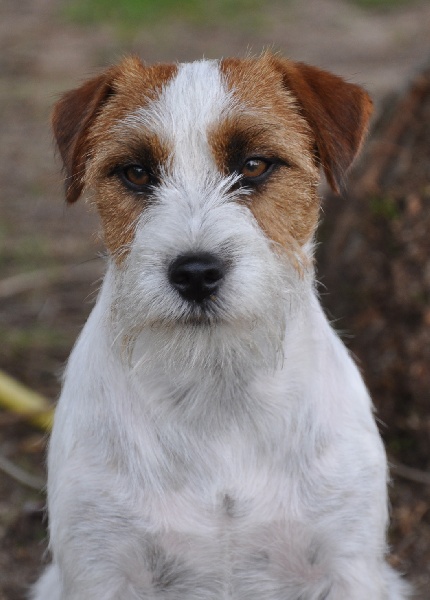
374 264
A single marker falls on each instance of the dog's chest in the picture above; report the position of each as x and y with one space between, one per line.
232 548
224 531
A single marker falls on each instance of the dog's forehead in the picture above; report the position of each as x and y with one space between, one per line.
189 112
194 97
185 100
184 109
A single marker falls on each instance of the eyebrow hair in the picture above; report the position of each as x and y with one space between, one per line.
236 139
141 148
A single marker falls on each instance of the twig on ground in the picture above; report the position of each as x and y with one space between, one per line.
19 399
24 282
410 473
31 481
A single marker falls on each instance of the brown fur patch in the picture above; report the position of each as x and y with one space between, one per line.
71 119
299 114
91 147
118 206
266 122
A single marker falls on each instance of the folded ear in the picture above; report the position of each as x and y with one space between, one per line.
338 113
71 119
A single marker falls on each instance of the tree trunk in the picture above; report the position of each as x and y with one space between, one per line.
375 264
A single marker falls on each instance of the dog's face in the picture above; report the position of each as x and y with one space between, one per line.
205 176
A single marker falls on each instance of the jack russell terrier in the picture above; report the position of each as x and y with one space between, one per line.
213 439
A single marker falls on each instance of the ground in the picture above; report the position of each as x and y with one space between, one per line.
50 257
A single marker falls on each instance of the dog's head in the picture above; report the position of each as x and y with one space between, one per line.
205 177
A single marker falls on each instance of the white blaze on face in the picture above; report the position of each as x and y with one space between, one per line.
181 117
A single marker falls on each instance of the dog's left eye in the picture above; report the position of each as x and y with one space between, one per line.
255 168
135 177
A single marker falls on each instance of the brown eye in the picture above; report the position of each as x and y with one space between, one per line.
135 177
254 168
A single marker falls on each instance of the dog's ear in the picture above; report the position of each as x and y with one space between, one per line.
338 113
71 119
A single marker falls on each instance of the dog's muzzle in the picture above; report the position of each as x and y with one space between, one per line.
196 276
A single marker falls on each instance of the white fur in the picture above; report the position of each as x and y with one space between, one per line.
236 458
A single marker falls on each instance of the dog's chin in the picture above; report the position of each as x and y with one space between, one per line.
205 314
192 316
203 340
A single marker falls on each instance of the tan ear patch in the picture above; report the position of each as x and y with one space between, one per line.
71 119
112 143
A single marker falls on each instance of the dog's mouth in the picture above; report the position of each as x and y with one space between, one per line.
206 313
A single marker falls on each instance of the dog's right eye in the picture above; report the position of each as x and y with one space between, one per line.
255 168
135 177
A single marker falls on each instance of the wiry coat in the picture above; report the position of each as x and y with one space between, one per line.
227 449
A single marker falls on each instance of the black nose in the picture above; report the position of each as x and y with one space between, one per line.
196 276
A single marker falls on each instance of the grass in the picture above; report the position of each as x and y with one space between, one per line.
22 253
130 15
384 207
16 340
380 4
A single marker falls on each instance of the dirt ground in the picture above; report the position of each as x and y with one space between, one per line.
50 261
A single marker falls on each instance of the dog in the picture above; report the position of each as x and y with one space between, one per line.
213 438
